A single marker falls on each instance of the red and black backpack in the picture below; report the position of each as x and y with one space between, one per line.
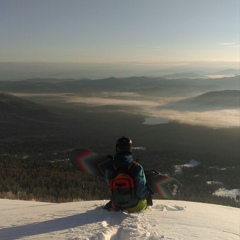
123 189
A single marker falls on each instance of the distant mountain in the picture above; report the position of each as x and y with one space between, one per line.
15 106
142 85
227 99
33 86
19 117
226 72
184 75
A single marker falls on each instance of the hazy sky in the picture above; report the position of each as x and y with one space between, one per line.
103 31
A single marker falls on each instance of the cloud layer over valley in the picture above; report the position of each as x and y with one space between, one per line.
155 110
149 109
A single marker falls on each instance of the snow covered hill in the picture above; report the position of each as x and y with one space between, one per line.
88 221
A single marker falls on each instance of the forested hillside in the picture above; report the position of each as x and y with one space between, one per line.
38 178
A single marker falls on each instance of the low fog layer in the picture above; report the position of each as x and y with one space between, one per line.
156 110
211 118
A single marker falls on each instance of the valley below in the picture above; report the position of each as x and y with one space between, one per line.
43 120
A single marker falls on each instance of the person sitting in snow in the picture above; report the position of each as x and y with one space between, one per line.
127 180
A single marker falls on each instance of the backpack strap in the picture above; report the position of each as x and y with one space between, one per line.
131 165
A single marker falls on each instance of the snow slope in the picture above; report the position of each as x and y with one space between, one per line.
88 221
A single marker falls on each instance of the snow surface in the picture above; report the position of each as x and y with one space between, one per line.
193 163
223 192
88 221
215 183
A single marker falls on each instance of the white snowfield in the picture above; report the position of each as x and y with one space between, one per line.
88 221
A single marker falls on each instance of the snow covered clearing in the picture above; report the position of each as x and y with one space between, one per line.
88 221
223 192
192 164
215 183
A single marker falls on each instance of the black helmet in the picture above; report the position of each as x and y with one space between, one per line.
124 145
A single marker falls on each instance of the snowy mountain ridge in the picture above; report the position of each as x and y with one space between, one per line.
87 220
